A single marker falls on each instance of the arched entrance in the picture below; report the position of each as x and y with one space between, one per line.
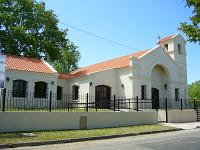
159 82
102 96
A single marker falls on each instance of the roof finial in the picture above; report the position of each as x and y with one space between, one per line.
159 38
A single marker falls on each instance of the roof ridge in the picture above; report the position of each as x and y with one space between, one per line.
166 38
22 56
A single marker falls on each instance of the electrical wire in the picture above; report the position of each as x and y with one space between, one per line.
121 44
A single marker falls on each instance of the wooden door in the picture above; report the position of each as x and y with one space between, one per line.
102 96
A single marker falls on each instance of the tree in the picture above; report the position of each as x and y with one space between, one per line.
192 30
27 28
69 59
194 90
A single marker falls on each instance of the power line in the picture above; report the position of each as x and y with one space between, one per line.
98 36
115 42
118 43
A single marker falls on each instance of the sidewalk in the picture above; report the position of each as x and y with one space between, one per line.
185 126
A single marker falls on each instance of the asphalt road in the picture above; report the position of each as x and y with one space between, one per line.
180 140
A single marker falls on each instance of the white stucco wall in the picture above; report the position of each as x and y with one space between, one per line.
113 78
177 116
20 121
124 79
31 78
107 77
142 70
65 86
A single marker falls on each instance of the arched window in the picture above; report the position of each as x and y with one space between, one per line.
143 91
177 94
75 92
179 49
166 46
40 89
19 88
59 92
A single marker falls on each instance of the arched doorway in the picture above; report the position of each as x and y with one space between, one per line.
159 82
102 96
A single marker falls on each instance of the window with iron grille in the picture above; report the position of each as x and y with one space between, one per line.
59 93
19 88
176 94
75 92
143 92
40 89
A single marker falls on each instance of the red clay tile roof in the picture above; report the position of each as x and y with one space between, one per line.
166 38
120 62
22 63
67 76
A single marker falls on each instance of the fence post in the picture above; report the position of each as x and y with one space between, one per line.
194 104
68 105
50 101
4 100
137 103
118 104
87 99
166 110
181 104
114 103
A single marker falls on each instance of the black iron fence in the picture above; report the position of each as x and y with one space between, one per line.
194 104
65 102
10 101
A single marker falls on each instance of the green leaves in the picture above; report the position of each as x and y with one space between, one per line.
194 90
27 27
69 59
192 30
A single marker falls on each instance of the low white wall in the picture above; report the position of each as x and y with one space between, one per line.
176 116
27 121
116 119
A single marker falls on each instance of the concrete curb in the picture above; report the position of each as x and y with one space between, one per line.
2 146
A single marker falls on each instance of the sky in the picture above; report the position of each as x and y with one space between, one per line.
136 23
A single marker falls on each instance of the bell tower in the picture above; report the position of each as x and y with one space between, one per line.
174 45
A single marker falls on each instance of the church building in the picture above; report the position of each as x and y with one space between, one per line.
156 73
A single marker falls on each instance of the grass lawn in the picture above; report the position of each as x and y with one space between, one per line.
6 138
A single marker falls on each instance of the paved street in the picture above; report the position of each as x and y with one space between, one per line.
180 140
